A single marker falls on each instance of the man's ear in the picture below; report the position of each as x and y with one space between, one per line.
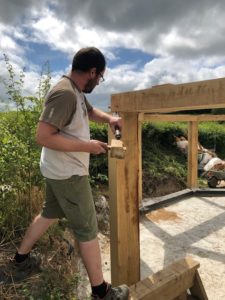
92 72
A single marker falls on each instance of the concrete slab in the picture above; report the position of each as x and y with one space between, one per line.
193 226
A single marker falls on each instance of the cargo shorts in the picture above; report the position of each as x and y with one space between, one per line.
72 199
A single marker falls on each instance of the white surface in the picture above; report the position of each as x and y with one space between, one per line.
198 230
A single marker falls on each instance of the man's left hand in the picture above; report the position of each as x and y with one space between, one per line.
115 121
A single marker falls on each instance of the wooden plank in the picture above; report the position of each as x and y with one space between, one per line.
124 208
169 98
169 118
116 171
172 287
197 290
192 178
181 118
205 118
139 291
140 191
167 284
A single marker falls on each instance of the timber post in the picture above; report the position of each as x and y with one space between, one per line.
124 207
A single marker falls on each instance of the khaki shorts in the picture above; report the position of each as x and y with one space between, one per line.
72 199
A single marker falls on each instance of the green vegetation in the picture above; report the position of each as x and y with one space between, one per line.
161 159
20 180
212 137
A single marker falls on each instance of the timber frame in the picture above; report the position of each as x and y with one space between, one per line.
125 176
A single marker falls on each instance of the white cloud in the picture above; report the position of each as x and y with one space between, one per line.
185 37
178 27
173 39
7 40
49 29
69 37
14 11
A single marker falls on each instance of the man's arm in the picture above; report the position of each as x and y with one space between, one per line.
48 136
99 116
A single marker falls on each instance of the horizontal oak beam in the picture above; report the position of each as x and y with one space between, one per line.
172 97
181 118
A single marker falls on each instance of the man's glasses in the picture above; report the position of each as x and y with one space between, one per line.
101 78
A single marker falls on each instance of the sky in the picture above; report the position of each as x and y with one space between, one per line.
145 42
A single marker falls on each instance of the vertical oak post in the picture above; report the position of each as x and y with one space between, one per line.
124 207
192 178
140 189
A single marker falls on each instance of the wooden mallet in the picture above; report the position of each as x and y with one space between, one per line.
117 150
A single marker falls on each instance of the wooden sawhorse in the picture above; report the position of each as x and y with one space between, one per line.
178 281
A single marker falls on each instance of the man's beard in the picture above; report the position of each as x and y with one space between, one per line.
90 85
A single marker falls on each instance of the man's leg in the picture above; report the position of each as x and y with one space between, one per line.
23 265
90 253
36 229
91 256
76 202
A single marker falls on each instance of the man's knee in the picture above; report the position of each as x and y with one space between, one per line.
43 220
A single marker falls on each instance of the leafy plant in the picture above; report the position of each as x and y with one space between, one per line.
20 180
99 163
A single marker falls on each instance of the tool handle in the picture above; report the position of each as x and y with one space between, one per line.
117 129
117 132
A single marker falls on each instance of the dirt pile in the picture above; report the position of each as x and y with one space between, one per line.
156 187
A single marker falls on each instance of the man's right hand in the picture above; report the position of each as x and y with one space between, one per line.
98 147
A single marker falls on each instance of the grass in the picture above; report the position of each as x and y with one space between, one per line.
59 278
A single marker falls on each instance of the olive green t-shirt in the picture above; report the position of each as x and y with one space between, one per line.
67 109
61 102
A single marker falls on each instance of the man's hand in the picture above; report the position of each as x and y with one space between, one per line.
115 121
99 116
98 147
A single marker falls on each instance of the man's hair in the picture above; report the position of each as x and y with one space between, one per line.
87 58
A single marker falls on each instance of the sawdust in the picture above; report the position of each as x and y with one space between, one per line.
162 215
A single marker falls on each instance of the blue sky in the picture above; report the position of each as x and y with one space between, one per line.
40 53
145 42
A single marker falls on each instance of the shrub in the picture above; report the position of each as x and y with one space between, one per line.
99 163
20 180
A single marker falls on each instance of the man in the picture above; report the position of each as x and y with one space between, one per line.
63 131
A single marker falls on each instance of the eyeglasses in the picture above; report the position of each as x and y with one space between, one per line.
102 79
